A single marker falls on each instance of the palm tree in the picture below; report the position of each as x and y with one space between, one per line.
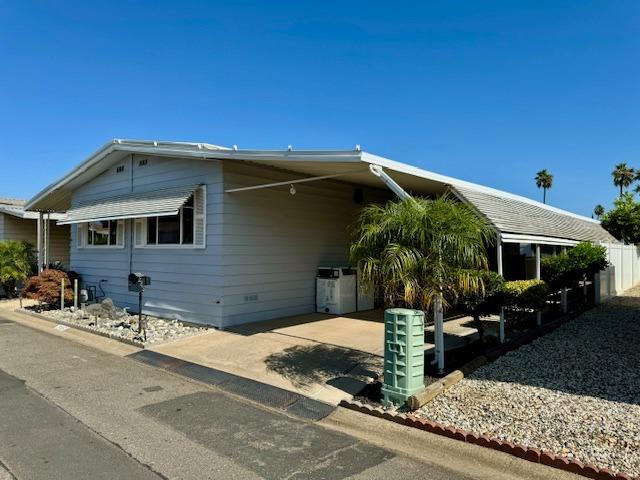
623 176
598 211
544 180
16 264
418 250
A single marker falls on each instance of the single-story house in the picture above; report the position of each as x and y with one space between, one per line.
18 224
230 236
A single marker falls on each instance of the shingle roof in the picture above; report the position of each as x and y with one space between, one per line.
525 217
12 201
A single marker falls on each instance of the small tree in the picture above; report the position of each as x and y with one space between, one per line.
46 287
484 303
17 262
586 259
568 269
623 221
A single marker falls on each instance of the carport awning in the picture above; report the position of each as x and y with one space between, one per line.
156 203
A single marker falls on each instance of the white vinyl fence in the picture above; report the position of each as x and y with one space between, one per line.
622 273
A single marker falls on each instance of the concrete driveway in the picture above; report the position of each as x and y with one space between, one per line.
325 357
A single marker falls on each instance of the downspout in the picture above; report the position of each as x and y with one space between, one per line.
389 182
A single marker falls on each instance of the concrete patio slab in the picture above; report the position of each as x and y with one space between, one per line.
292 363
325 357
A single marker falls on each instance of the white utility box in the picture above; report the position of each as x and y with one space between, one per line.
336 290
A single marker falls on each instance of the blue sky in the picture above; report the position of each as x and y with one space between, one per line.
487 91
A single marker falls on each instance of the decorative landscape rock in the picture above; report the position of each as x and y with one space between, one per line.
574 392
105 317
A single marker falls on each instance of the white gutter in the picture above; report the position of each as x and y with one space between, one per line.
539 240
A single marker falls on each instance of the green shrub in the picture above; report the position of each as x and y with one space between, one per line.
525 294
556 271
17 262
566 270
587 258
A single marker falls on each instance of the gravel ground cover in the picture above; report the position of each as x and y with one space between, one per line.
125 326
574 392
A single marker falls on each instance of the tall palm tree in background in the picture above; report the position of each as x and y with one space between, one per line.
544 180
418 250
598 211
623 176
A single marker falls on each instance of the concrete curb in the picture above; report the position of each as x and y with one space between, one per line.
80 327
517 450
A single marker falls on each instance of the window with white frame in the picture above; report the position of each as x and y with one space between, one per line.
186 229
172 230
101 233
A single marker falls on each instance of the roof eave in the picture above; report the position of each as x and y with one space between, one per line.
187 150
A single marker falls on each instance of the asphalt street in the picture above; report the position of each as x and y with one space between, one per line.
70 411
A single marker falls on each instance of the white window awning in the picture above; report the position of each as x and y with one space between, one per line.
155 203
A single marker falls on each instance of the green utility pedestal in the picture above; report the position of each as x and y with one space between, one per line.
403 355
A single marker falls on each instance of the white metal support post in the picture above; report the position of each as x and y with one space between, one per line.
500 272
438 318
47 239
563 293
39 242
609 286
75 294
499 255
538 277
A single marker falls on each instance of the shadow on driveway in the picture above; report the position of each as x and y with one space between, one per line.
320 363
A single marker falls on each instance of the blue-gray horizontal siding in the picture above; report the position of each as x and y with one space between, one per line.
185 283
273 242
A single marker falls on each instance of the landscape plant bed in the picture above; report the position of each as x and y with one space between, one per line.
569 398
518 450
123 328
574 392
465 358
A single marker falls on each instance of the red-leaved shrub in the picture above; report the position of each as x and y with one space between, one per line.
46 287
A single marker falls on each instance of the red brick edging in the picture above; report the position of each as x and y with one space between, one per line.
531 454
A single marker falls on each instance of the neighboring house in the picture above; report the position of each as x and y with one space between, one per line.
232 236
21 225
